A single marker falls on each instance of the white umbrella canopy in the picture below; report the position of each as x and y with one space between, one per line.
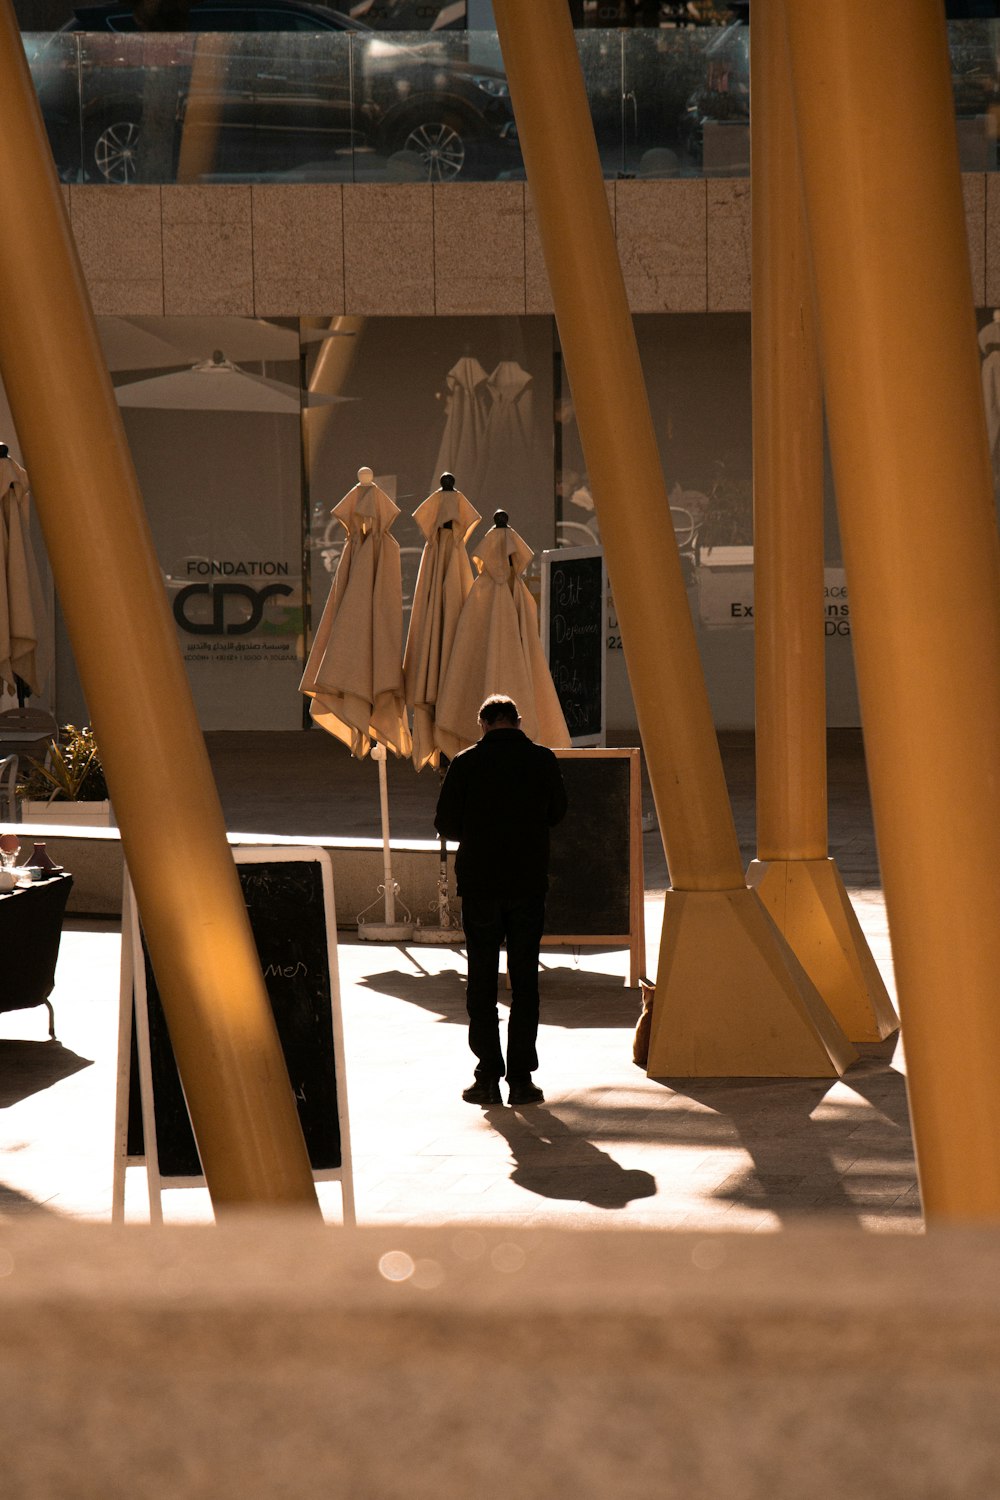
244 339
354 673
23 653
128 347
217 384
446 519
497 649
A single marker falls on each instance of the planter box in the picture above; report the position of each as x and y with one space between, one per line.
57 814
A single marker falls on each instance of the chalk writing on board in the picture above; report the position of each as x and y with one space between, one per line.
576 641
288 918
568 633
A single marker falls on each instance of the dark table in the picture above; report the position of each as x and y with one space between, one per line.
31 919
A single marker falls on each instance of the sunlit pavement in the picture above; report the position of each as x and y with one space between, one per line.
608 1147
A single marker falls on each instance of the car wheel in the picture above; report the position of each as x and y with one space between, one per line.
441 143
113 150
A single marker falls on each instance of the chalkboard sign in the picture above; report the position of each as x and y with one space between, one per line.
289 898
574 610
596 882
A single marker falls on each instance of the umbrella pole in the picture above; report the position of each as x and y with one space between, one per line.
445 918
388 883
448 929
389 931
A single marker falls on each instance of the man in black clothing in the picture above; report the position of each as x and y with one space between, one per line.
498 801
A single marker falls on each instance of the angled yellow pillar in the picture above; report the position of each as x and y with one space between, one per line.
112 595
199 144
792 874
877 137
731 999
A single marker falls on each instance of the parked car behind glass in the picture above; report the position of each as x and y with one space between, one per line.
282 98
723 98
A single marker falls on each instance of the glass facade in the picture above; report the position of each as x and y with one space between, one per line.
246 433
239 480
417 397
361 106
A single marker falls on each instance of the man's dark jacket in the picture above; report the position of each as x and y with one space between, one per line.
498 801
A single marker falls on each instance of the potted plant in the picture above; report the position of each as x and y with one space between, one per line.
68 786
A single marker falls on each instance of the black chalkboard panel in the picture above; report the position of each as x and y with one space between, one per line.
288 916
589 864
596 890
574 619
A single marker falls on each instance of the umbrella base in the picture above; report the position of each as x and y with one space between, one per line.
438 935
385 932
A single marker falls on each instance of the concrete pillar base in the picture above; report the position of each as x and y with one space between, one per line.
808 903
733 1001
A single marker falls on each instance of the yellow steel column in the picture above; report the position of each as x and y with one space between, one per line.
797 882
199 143
112 595
877 137
731 998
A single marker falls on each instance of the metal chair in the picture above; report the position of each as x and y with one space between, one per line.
9 810
575 534
27 731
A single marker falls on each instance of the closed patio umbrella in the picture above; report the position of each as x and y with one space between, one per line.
446 519
497 649
508 468
463 442
23 655
354 673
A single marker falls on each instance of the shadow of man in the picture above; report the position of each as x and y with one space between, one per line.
553 1162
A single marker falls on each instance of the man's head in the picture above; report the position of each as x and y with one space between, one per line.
499 712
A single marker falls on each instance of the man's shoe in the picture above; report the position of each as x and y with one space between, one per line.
523 1091
483 1091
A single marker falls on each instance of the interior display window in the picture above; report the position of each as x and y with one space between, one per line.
418 397
221 480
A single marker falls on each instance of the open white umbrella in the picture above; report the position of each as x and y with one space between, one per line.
128 347
497 649
23 656
446 519
354 674
244 339
217 384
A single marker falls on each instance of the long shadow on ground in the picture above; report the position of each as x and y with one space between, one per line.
556 1162
572 997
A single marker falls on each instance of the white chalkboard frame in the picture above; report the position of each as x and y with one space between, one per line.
132 1002
549 559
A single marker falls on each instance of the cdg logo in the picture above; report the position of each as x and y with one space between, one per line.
219 593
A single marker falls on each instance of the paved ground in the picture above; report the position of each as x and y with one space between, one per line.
608 1147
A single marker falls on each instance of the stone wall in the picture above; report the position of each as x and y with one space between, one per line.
263 1359
285 250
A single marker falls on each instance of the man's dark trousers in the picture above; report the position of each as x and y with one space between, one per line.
489 922
498 802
